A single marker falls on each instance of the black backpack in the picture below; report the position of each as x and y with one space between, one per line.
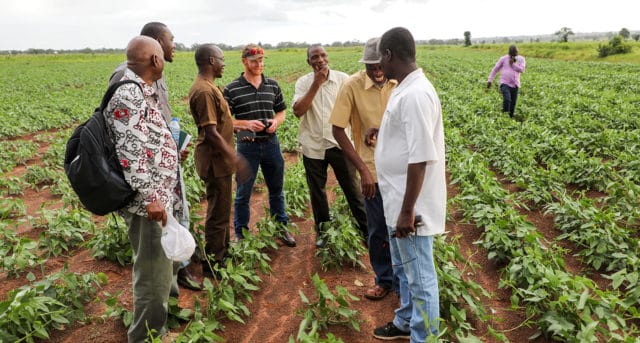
92 165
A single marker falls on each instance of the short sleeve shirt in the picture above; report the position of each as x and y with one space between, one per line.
361 103
412 131
208 107
247 102
315 134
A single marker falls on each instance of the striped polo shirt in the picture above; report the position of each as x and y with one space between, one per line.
247 103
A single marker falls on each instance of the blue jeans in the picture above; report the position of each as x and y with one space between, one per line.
509 98
266 155
379 253
413 264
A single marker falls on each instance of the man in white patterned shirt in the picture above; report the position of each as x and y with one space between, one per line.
164 36
149 158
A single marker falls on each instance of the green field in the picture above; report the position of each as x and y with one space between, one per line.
573 154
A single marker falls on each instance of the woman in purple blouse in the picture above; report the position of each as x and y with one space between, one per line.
510 67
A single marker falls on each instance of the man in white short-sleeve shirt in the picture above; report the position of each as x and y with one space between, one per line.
412 132
410 162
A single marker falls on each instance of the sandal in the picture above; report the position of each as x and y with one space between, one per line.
376 293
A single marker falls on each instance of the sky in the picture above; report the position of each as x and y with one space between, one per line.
95 24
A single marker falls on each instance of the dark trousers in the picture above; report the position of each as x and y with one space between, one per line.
379 253
216 227
265 154
316 171
509 98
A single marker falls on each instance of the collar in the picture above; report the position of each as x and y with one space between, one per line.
368 83
332 76
412 76
207 80
147 89
245 81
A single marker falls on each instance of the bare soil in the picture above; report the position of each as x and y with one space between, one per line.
273 309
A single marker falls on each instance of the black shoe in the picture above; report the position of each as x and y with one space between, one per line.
186 280
211 274
240 234
206 272
287 239
390 332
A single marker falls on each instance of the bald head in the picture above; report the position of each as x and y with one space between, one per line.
141 48
204 52
145 57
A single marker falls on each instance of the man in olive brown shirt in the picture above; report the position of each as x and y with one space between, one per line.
215 156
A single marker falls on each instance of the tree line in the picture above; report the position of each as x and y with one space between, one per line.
561 35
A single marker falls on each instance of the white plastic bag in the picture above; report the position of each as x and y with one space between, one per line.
177 242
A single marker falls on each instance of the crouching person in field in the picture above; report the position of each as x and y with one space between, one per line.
149 158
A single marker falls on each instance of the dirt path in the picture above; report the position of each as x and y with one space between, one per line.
273 310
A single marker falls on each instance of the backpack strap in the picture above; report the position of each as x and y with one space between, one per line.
112 89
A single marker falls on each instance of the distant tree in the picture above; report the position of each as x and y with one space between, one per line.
284 45
354 42
563 34
636 37
467 38
616 45
624 33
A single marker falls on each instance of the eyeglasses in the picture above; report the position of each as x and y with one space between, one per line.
252 52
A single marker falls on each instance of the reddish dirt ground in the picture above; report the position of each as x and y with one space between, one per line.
273 310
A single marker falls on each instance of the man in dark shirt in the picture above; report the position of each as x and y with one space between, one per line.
259 109
215 157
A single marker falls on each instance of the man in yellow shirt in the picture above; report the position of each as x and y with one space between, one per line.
361 103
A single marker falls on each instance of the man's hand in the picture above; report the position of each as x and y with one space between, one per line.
184 153
367 184
273 126
254 125
156 212
404 225
320 74
243 172
371 136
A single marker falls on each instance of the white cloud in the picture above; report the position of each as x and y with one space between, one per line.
74 24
